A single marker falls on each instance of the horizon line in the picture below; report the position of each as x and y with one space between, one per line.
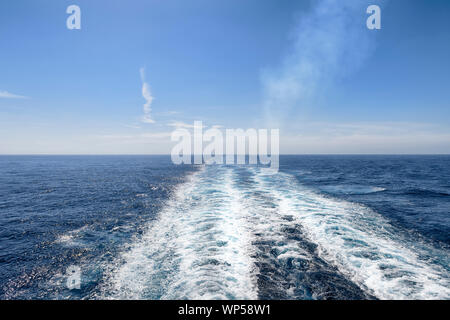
281 154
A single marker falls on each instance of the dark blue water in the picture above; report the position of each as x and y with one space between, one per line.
324 227
412 191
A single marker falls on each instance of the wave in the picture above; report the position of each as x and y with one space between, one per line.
238 233
351 189
426 192
363 245
198 248
73 238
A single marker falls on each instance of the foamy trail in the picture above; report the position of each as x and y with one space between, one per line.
362 244
288 266
237 233
198 248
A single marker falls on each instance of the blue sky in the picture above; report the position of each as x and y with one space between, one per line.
310 68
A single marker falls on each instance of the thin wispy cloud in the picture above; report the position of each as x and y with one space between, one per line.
167 113
131 126
180 124
147 94
329 42
367 138
145 137
8 95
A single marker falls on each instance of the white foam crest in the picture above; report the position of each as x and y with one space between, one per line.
361 243
72 238
352 189
198 248
269 224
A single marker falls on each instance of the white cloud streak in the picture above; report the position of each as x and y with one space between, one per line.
8 95
136 138
368 138
147 94
180 124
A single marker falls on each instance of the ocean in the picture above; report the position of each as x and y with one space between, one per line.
139 227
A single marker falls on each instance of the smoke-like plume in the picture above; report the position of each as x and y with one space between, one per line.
147 94
329 41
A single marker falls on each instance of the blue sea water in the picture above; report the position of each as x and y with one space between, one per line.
139 227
